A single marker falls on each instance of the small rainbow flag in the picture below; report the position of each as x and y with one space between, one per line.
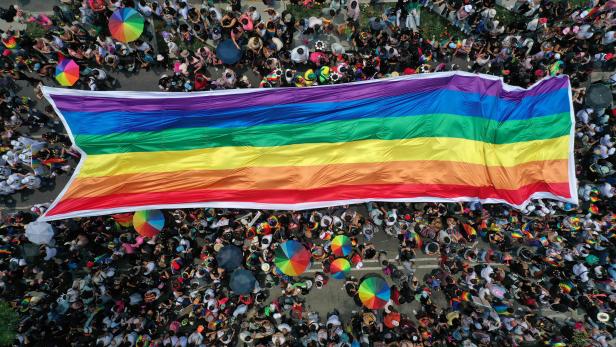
125 220
552 262
517 234
465 296
501 309
527 230
566 286
594 209
415 236
10 43
470 231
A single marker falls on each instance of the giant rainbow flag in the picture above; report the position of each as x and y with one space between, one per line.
438 137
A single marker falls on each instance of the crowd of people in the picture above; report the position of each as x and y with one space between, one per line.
502 274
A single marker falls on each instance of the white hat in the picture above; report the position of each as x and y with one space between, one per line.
392 217
326 221
603 317
468 8
266 241
338 223
276 41
265 267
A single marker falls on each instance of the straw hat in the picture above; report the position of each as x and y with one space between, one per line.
432 248
255 43
265 267
451 316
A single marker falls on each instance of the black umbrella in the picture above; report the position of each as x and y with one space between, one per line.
230 257
598 96
242 281
228 52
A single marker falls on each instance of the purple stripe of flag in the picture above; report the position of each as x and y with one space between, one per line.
333 93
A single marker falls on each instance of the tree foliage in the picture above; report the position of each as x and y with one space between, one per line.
8 324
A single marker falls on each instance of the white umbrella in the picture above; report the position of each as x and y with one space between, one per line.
40 233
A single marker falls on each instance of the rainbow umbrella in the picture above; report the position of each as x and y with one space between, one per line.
148 223
292 258
339 268
126 24
374 292
67 72
341 246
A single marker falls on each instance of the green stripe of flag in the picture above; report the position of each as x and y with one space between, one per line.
433 125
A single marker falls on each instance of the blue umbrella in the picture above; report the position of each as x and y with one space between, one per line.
242 281
229 257
228 52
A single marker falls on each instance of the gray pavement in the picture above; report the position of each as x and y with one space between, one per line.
32 5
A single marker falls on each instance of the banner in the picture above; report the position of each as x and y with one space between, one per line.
435 137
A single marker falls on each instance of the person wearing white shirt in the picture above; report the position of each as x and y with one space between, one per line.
195 338
486 272
581 271
5 188
5 171
50 253
606 190
144 8
31 181
584 115
300 54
